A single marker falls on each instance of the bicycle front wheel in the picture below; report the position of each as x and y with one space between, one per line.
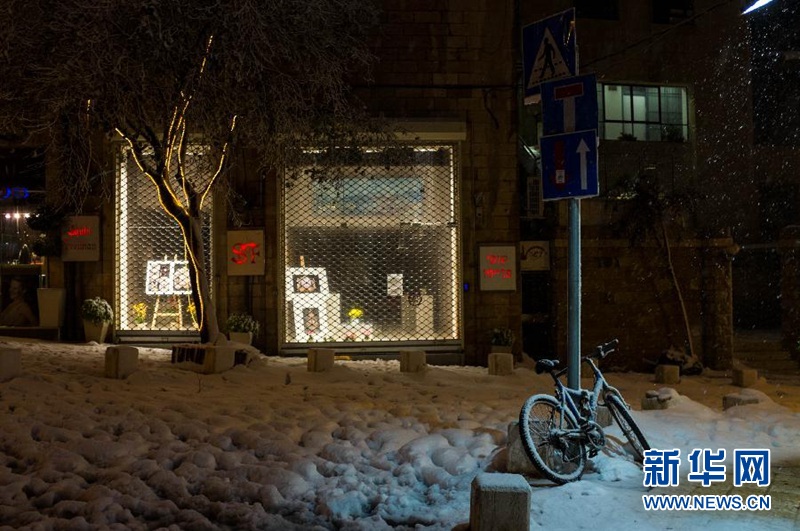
625 422
542 427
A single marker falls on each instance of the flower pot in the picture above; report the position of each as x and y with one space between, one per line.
95 332
51 306
241 337
505 349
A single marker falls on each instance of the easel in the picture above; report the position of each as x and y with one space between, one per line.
178 313
164 285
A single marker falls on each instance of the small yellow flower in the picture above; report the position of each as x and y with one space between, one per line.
355 313
139 312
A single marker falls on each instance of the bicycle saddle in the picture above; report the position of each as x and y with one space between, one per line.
545 365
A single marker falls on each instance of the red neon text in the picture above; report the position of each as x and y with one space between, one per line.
80 231
245 252
492 273
495 259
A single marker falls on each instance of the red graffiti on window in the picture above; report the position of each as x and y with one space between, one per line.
245 252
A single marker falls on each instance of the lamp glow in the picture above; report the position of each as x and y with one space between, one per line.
760 3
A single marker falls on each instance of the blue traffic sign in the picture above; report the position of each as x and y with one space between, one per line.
569 165
569 104
548 50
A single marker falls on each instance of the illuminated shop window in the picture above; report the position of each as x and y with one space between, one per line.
372 254
153 290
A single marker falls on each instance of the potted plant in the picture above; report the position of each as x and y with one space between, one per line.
242 328
139 314
502 339
97 315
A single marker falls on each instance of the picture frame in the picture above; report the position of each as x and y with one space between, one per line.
305 283
167 277
310 317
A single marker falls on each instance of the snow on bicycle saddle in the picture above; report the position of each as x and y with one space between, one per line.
545 365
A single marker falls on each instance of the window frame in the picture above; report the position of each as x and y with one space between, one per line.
630 119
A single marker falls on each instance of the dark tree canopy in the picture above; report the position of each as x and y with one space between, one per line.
166 74
281 66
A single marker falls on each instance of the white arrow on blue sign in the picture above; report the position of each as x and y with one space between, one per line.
569 165
569 104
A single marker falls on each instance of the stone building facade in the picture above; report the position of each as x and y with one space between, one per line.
449 72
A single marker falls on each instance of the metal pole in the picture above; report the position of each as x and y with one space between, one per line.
574 342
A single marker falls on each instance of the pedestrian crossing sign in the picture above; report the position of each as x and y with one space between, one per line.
548 51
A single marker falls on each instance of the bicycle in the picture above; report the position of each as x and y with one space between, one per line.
557 431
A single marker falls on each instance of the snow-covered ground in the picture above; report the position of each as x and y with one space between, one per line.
272 446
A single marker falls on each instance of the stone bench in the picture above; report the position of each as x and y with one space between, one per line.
320 359
121 361
10 363
499 501
412 361
741 399
208 359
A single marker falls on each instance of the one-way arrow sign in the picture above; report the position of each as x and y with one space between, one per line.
569 165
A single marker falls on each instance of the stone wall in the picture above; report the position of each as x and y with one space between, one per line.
629 294
453 60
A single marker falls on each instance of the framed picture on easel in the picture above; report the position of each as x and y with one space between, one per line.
310 317
306 280
167 277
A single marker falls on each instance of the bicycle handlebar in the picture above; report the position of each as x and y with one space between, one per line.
600 352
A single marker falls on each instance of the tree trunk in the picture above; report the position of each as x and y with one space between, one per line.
201 289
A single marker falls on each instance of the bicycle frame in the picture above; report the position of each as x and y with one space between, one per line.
567 396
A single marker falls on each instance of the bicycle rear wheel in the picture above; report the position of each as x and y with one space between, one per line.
625 422
559 458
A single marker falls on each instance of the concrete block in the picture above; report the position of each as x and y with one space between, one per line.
518 461
729 401
412 361
658 399
745 377
650 403
10 363
501 364
499 501
668 374
121 361
320 359
218 358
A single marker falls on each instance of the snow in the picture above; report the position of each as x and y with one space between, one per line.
270 445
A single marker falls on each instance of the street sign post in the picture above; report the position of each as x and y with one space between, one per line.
548 51
569 153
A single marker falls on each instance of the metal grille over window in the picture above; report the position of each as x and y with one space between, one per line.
153 286
371 255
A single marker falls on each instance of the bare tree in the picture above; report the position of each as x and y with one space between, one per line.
166 76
